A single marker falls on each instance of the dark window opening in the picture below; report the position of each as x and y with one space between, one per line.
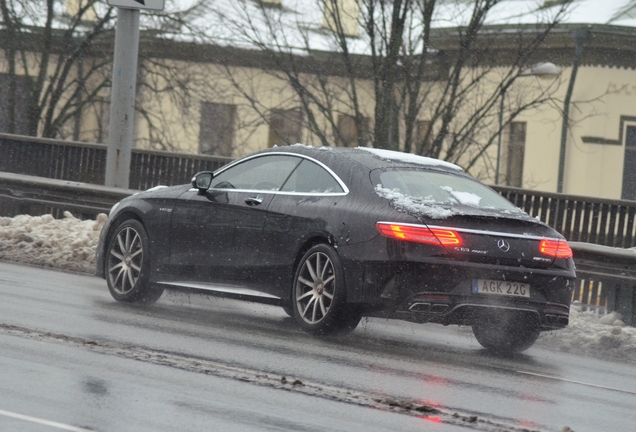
20 122
349 133
629 165
422 141
284 127
515 154
216 132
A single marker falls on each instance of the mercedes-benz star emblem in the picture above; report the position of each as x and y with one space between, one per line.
503 245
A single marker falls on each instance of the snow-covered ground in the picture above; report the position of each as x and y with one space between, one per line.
67 243
70 243
599 336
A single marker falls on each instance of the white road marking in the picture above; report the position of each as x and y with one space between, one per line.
576 382
44 422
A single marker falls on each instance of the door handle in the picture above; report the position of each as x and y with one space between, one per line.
254 201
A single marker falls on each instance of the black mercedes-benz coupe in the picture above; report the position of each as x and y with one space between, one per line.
334 234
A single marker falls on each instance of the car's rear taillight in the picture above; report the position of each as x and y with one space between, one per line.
555 248
420 234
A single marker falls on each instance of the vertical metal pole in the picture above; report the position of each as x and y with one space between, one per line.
501 112
122 99
78 115
580 36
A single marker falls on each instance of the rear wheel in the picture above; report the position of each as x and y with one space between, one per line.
319 294
506 335
128 265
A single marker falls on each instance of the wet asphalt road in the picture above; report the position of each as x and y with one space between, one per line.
69 354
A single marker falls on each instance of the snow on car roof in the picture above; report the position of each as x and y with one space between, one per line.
381 154
410 158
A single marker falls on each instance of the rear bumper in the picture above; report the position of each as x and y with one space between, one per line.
468 310
442 293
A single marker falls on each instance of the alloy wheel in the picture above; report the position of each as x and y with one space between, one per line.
315 288
125 260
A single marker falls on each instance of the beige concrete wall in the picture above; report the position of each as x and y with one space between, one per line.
601 96
217 84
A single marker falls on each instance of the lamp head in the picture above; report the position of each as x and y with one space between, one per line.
544 69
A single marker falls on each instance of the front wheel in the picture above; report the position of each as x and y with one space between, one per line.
505 336
319 294
128 265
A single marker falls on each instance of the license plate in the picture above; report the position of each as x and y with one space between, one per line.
506 288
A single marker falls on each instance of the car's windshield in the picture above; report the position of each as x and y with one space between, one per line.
442 188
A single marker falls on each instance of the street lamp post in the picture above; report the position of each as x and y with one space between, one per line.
580 37
541 70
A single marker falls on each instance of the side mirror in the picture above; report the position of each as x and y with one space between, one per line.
202 181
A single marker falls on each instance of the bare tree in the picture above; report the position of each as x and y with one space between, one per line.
424 71
55 54
58 65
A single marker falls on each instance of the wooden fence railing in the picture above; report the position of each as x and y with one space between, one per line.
579 218
86 163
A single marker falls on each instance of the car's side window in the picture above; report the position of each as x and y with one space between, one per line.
309 177
266 173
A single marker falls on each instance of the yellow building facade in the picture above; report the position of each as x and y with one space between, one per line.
204 98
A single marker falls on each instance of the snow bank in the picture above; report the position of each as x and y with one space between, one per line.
70 244
588 333
67 243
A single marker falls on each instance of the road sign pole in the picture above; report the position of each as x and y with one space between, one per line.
122 99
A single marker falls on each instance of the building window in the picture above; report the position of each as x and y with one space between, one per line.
516 147
284 127
103 121
629 165
20 124
216 129
421 129
348 131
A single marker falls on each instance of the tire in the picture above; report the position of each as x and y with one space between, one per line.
319 294
506 336
128 265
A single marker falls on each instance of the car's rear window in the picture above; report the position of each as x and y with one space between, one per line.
442 188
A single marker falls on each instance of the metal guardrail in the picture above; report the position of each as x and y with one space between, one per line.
22 194
607 278
579 218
